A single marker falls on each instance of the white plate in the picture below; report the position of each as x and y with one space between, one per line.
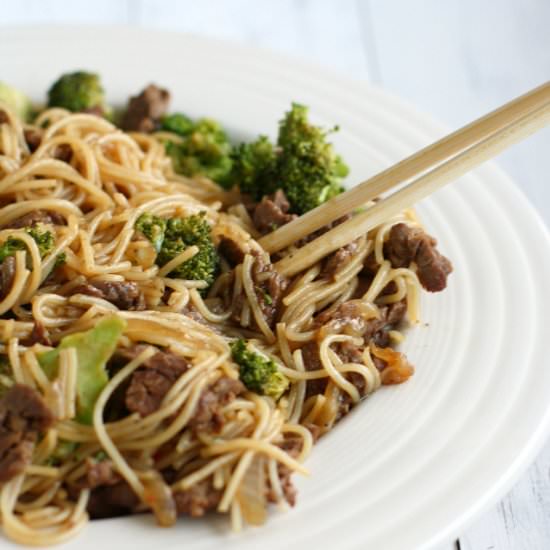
413 463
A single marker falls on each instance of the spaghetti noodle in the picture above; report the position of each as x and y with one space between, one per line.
203 441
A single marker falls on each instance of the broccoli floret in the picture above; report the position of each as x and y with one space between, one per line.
308 169
153 228
43 238
204 151
182 233
78 91
303 164
257 372
171 237
17 101
177 123
254 168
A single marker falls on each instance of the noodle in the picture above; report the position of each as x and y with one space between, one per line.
204 432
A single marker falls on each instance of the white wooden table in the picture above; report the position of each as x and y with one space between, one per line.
453 58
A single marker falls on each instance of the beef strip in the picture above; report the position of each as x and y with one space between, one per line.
63 152
125 295
411 244
23 417
7 275
152 380
292 445
270 289
272 212
110 501
33 139
354 318
231 250
198 499
3 117
269 286
339 259
39 335
98 474
347 352
208 416
36 217
145 110
351 318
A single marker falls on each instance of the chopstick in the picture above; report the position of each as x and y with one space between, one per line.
513 128
418 163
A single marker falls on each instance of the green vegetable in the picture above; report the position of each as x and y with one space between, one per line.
268 300
303 164
100 456
93 349
17 101
78 91
182 233
205 149
60 260
63 450
153 228
43 238
177 123
257 372
254 168
308 168
172 236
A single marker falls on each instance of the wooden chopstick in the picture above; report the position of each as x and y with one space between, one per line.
410 167
517 129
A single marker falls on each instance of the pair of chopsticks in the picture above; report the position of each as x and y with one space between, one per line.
426 171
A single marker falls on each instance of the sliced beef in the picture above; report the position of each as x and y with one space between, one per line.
232 251
63 152
33 139
39 335
125 295
354 318
198 499
111 501
292 445
23 417
152 380
145 110
208 416
272 212
411 244
312 361
339 259
98 474
36 217
7 275
270 288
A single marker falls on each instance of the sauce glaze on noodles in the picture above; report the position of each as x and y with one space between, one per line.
113 178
